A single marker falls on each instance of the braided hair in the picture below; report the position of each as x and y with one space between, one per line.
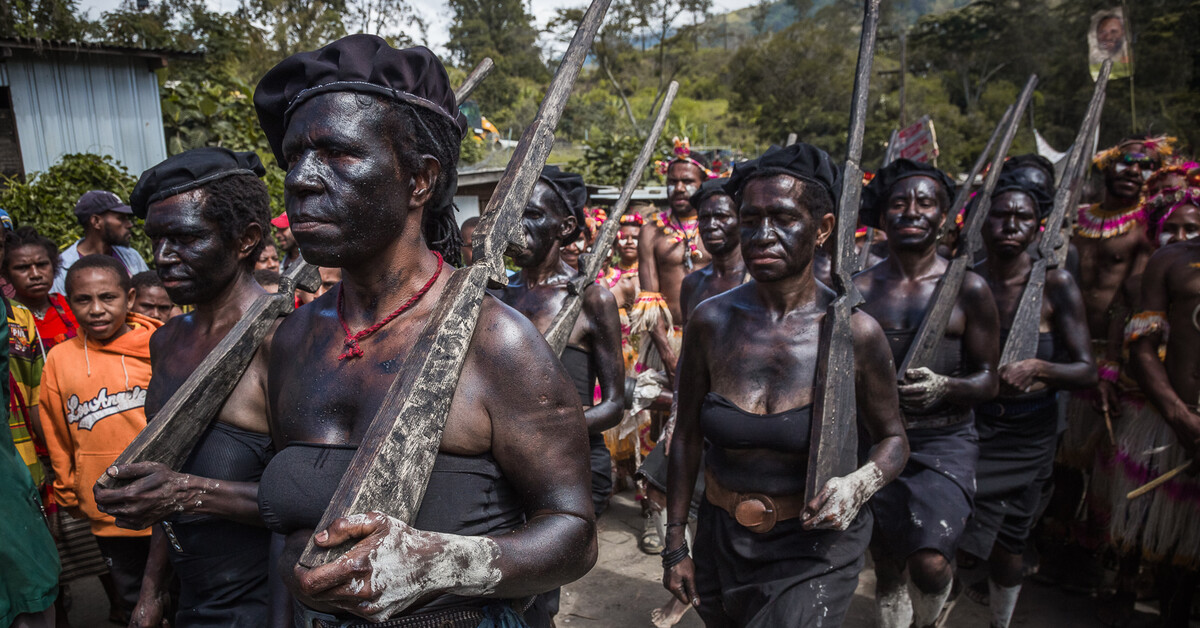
417 131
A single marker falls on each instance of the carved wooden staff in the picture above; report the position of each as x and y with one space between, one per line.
170 436
1023 336
964 193
589 263
391 469
473 80
945 295
834 433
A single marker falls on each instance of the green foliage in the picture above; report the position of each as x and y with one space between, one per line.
46 200
218 112
608 159
472 151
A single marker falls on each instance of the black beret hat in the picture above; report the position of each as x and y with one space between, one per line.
189 170
569 187
357 63
875 195
803 161
707 189
1008 183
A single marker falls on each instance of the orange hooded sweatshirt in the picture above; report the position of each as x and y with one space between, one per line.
92 401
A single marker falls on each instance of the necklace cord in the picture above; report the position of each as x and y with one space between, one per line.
353 350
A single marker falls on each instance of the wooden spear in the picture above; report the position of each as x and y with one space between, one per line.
589 264
473 80
1023 336
945 295
964 192
834 435
172 433
391 469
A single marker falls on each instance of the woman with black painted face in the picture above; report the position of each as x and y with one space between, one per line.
765 557
1018 431
921 517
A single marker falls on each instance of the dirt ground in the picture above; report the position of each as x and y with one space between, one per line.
625 586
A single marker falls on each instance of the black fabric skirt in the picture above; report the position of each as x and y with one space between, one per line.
1016 459
786 577
927 507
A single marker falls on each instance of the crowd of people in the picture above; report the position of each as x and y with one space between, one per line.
690 377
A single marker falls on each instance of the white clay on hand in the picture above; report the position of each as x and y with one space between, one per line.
408 563
929 386
846 495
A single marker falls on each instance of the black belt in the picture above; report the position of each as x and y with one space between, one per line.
458 617
1016 407
943 419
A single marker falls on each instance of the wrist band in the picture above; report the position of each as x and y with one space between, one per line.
676 524
1108 370
670 558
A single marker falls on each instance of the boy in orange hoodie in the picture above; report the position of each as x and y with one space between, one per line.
92 397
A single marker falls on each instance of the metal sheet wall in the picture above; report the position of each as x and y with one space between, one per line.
67 103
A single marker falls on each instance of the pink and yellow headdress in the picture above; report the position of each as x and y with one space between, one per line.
1161 146
682 151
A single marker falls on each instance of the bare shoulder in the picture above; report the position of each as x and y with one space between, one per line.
712 313
974 286
166 336
866 329
506 337
1059 281
597 298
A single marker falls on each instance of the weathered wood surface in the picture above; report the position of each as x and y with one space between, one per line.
589 263
963 196
172 433
833 451
945 295
473 80
1022 339
391 468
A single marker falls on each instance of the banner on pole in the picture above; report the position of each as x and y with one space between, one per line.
1109 39
917 142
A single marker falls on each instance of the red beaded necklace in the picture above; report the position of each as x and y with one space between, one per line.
352 348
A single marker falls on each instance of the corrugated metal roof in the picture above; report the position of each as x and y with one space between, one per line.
106 105
77 47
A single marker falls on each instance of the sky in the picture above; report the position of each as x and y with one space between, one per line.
435 13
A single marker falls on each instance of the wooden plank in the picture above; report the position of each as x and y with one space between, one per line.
589 263
174 431
391 468
473 80
1022 339
833 451
945 295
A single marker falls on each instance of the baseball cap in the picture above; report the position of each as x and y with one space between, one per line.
280 221
98 202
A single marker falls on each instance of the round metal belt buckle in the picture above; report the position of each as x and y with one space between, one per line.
756 512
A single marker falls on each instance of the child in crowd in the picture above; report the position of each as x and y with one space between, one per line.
92 398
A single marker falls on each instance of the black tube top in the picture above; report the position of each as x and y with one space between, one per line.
761 453
467 495
579 366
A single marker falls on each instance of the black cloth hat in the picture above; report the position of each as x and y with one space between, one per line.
98 202
1007 183
1033 160
357 63
568 186
570 189
875 195
803 161
707 189
189 170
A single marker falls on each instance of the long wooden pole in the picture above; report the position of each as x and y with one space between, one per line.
1023 335
589 264
833 451
945 295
